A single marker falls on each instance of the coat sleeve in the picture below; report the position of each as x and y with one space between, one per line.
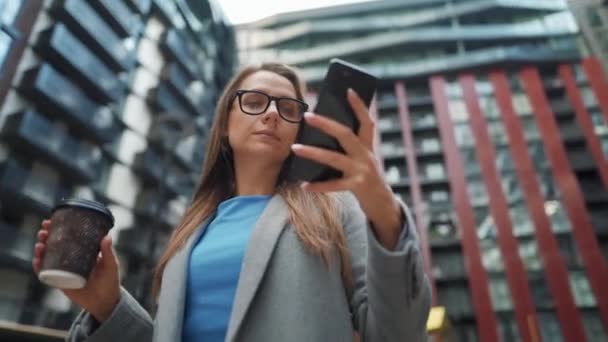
390 296
128 322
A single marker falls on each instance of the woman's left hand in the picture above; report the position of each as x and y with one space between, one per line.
362 173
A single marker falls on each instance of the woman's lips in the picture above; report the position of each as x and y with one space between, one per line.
268 134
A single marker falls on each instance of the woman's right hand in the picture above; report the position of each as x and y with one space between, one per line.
102 290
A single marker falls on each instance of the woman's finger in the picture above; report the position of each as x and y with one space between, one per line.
36 265
43 235
366 123
38 250
338 161
46 224
345 136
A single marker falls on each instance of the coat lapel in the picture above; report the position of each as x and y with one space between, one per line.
259 250
172 297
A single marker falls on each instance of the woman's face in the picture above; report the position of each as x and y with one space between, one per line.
266 136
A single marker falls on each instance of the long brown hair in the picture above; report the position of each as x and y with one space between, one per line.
314 216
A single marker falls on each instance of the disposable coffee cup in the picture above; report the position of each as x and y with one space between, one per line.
77 228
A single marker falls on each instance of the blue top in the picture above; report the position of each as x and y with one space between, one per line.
214 268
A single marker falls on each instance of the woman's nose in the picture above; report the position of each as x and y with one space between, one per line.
272 111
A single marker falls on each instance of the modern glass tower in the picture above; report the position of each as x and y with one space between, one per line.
107 100
492 127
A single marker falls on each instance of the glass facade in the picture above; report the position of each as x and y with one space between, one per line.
84 103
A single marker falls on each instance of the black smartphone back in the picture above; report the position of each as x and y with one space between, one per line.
332 103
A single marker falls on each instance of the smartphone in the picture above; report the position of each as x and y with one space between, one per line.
332 103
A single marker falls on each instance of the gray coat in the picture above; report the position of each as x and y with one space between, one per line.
285 293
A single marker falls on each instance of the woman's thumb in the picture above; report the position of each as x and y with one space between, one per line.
107 252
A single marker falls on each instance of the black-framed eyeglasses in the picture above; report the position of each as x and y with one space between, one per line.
254 102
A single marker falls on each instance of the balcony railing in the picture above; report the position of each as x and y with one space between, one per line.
134 242
74 58
82 19
434 35
169 11
146 203
121 18
16 247
49 89
520 53
22 191
34 134
177 76
260 38
141 6
149 164
180 183
166 101
175 46
191 92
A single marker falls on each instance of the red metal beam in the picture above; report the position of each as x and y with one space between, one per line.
584 120
599 84
415 189
487 324
572 196
517 278
554 264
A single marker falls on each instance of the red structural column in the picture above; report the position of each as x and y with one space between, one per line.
415 189
554 264
572 196
599 84
517 278
487 324
584 120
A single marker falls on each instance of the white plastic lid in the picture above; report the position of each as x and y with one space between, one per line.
62 279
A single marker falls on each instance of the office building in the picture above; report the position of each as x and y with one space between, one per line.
107 100
492 126
592 18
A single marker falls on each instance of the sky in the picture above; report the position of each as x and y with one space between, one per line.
239 11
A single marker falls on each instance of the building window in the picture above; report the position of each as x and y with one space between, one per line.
458 111
489 107
595 20
429 145
588 96
497 132
457 299
501 296
521 104
463 134
439 196
528 252
448 265
593 326
583 296
434 171
522 224
9 9
549 326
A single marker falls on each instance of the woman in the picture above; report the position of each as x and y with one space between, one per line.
256 258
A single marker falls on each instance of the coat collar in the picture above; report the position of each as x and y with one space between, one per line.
259 250
258 253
